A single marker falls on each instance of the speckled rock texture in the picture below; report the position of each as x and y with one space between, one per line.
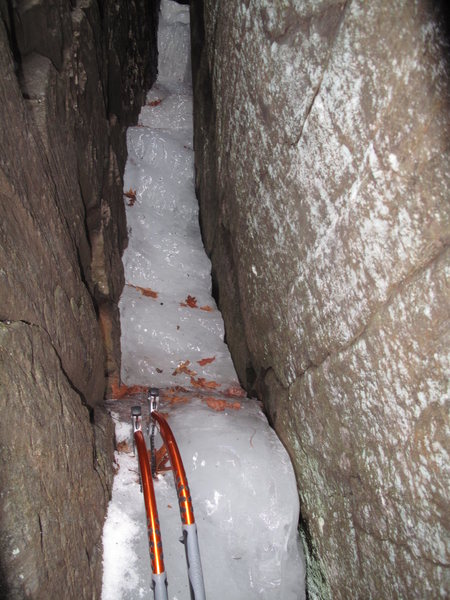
72 77
322 135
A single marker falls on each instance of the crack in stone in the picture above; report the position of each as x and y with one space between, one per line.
325 69
396 290
66 375
395 542
74 388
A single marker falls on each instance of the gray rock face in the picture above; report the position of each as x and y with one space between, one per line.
72 78
321 137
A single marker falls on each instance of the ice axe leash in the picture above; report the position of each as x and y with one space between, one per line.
189 529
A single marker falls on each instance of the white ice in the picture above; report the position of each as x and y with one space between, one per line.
240 476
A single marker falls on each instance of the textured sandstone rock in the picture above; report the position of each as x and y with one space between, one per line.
40 278
54 477
321 137
72 77
84 70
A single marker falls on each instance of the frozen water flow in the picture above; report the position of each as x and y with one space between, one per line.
241 480
246 509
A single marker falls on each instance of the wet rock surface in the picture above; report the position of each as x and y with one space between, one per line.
321 139
72 78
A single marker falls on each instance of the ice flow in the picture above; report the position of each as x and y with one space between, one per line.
241 479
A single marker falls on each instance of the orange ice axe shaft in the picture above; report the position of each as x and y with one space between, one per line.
189 528
159 578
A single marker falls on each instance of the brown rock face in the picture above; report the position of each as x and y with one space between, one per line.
55 477
322 148
72 78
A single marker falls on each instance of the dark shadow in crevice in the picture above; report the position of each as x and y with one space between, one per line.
443 12
315 581
5 590
7 16
250 375
215 287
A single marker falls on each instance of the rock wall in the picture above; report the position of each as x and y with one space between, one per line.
322 135
72 78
